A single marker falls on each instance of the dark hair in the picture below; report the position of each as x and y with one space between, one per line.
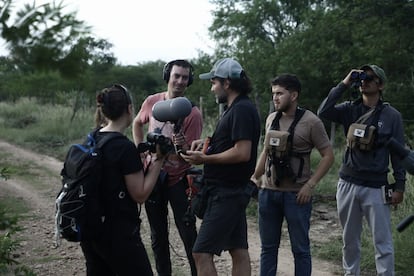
112 102
100 120
181 63
166 72
243 84
289 81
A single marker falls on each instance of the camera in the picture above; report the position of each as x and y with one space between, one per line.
154 139
358 77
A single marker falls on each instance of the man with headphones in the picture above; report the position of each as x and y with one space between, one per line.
172 183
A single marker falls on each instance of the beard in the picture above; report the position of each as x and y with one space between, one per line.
283 107
221 97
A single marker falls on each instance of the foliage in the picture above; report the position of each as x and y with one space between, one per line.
8 244
320 41
55 59
4 174
49 127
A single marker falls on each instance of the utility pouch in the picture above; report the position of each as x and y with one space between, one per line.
277 141
199 201
361 136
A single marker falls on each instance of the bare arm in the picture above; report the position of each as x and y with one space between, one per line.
240 152
140 187
137 130
323 167
260 166
305 193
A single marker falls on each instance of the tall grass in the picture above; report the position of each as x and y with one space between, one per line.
44 127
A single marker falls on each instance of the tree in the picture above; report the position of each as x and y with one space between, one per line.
45 38
252 31
320 41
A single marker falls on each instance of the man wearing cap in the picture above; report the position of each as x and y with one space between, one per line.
365 163
229 161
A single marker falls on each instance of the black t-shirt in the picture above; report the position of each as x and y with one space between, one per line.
120 158
239 122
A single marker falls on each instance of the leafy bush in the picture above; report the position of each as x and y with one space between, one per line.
8 227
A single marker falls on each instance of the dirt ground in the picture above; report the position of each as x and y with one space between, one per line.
39 252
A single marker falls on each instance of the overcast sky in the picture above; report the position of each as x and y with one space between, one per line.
147 30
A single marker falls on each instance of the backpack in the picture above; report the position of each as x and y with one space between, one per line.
79 212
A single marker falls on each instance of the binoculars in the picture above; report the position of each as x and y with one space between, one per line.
358 77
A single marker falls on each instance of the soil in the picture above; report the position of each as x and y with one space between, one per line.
39 252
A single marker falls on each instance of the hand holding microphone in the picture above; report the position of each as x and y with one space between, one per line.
179 142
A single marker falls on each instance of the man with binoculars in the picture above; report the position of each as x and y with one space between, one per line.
368 124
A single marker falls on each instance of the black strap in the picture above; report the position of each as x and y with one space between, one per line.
275 126
106 138
298 115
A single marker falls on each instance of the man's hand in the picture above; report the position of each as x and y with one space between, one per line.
397 198
347 80
193 157
197 145
305 194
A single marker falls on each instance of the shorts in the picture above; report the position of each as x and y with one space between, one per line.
224 226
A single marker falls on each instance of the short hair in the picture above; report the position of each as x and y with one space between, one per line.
289 81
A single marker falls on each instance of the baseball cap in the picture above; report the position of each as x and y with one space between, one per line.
378 71
224 68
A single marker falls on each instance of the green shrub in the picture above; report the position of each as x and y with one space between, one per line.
8 244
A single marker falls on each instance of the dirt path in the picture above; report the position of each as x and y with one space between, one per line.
39 252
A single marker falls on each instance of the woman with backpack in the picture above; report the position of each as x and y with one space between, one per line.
118 249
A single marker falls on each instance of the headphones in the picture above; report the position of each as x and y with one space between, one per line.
166 71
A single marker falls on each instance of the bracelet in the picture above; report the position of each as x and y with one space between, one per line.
310 186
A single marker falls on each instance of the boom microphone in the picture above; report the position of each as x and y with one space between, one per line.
404 223
172 109
406 155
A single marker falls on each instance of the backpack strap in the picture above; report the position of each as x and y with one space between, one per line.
372 112
91 139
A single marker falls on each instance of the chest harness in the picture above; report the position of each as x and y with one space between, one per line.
281 159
